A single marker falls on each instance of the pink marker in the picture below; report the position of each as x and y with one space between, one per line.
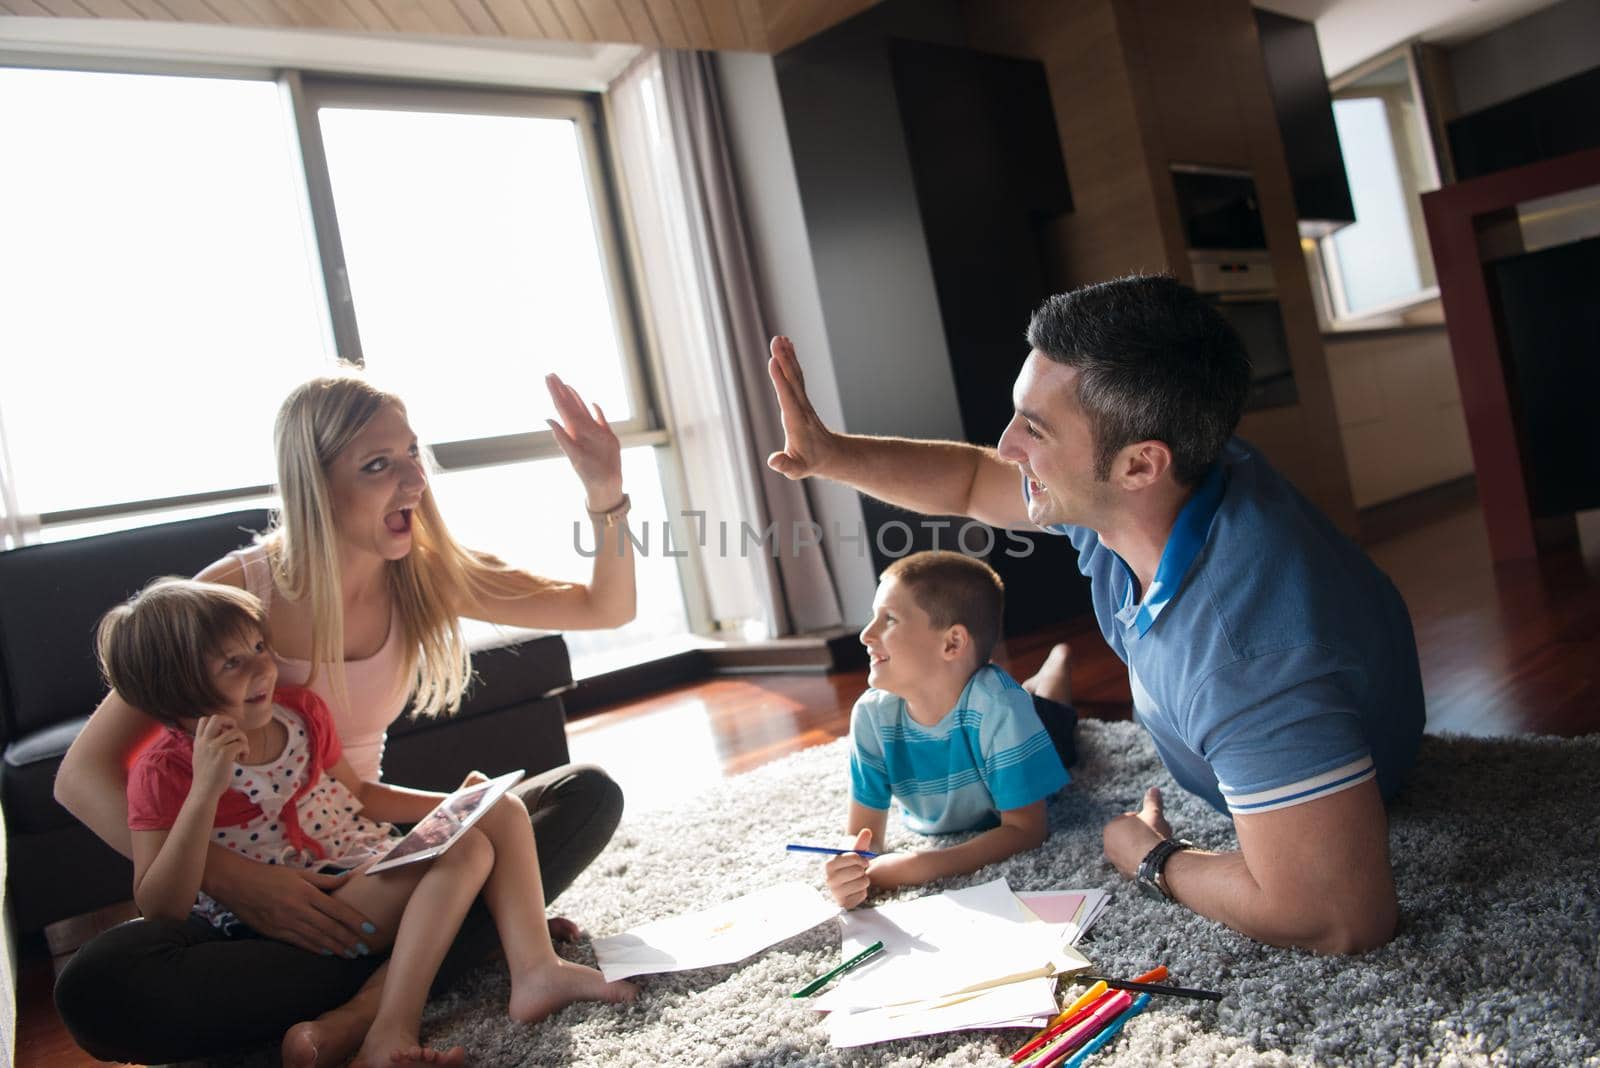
1108 1010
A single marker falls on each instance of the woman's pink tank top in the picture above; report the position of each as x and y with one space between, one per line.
376 690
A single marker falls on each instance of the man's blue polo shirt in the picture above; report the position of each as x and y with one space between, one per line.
1270 660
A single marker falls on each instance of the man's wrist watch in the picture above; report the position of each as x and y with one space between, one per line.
1149 877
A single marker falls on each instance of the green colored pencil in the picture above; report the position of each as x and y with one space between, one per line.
855 961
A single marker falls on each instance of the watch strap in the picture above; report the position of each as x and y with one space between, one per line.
1149 874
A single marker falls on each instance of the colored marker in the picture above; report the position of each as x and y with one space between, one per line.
795 847
1073 1013
1068 1016
1156 988
1099 1041
1109 1009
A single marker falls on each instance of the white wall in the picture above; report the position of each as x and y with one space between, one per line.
789 289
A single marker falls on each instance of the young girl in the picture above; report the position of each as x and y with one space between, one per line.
363 587
259 770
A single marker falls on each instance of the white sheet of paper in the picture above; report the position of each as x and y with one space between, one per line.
721 934
1002 1006
943 943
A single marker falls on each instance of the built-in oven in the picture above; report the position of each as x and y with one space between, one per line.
1258 320
1228 260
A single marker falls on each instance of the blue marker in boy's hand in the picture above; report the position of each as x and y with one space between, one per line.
795 847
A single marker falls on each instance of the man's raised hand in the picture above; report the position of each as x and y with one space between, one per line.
805 439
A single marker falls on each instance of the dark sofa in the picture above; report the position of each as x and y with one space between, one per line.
51 597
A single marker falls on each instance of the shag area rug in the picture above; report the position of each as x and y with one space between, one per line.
1496 961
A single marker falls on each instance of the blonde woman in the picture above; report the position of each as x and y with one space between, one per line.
364 590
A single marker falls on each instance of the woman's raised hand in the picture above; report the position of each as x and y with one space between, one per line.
589 443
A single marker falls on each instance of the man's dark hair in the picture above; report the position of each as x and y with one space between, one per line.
1155 361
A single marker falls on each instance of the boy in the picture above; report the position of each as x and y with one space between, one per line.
949 735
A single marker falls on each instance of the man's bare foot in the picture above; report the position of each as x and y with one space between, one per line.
1053 681
385 1046
329 1039
564 930
540 992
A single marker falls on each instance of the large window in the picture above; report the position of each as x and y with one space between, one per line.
158 286
1381 262
178 251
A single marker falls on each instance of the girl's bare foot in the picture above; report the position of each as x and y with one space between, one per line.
538 993
1053 681
564 930
385 1046
329 1039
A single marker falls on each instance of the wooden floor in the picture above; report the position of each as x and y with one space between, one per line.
1513 649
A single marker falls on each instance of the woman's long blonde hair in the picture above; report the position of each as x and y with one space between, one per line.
318 420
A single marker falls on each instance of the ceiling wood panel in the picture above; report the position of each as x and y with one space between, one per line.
111 9
754 23
723 24
477 16
513 18
742 25
67 9
243 13
576 19
607 19
26 8
176 9
370 14
154 10
410 16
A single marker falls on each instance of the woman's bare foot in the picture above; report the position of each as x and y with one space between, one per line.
538 993
329 1039
385 1046
564 930
1053 681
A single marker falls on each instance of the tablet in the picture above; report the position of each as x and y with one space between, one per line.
439 829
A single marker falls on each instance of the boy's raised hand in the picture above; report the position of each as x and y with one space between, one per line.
218 743
846 873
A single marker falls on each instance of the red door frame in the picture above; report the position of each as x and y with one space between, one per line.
1453 216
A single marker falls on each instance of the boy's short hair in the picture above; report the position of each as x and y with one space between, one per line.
154 648
953 588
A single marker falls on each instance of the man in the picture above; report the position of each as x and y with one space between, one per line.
1272 663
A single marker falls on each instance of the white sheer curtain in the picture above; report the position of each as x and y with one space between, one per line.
708 326
16 528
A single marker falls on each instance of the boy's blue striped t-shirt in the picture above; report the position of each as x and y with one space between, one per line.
988 754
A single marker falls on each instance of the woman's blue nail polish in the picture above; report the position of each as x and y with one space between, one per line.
350 954
327 953
361 948
367 928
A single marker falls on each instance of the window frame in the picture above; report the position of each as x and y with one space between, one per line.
303 91
1326 255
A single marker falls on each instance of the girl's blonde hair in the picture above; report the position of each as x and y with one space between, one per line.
318 420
